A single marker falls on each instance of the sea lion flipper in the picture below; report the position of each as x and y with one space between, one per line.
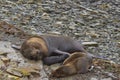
54 59
83 69
61 52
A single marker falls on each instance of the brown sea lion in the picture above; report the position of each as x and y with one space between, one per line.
50 48
78 62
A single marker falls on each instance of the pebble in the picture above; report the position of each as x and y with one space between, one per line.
90 44
64 18
54 32
93 78
58 24
106 79
118 44
77 34
5 60
13 72
72 27
45 16
11 77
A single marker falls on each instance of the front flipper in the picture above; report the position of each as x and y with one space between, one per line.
54 59
61 52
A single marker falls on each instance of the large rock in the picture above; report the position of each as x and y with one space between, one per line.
20 65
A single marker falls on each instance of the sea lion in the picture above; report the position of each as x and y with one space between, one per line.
50 48
78 62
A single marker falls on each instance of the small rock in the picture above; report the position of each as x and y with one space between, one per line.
5 47
54 32
72 27
64 18
93 34
58 24
30 2
111 75
93 78
95 24
90 44
5 60
45 16
77 34
33 29
107 79
2 65
11 77
48 9
31 70
118 44
13 72
3 53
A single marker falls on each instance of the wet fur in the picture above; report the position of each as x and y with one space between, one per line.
78 62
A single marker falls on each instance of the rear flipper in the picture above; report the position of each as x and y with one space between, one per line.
83 70
54 59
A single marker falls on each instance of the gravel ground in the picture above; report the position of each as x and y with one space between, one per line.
85 20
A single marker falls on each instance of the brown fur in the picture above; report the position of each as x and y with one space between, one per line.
78 62
74 56
32 47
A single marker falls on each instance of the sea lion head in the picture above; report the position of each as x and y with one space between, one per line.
32 49
60 72
32 53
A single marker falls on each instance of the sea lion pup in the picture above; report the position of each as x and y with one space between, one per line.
78 62
50 48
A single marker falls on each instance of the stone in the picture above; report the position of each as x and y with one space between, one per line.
118 44
45 16
58 24
5 47
93 78
11 77
5 60
54 32
90 44
13 72
72 27
106 79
